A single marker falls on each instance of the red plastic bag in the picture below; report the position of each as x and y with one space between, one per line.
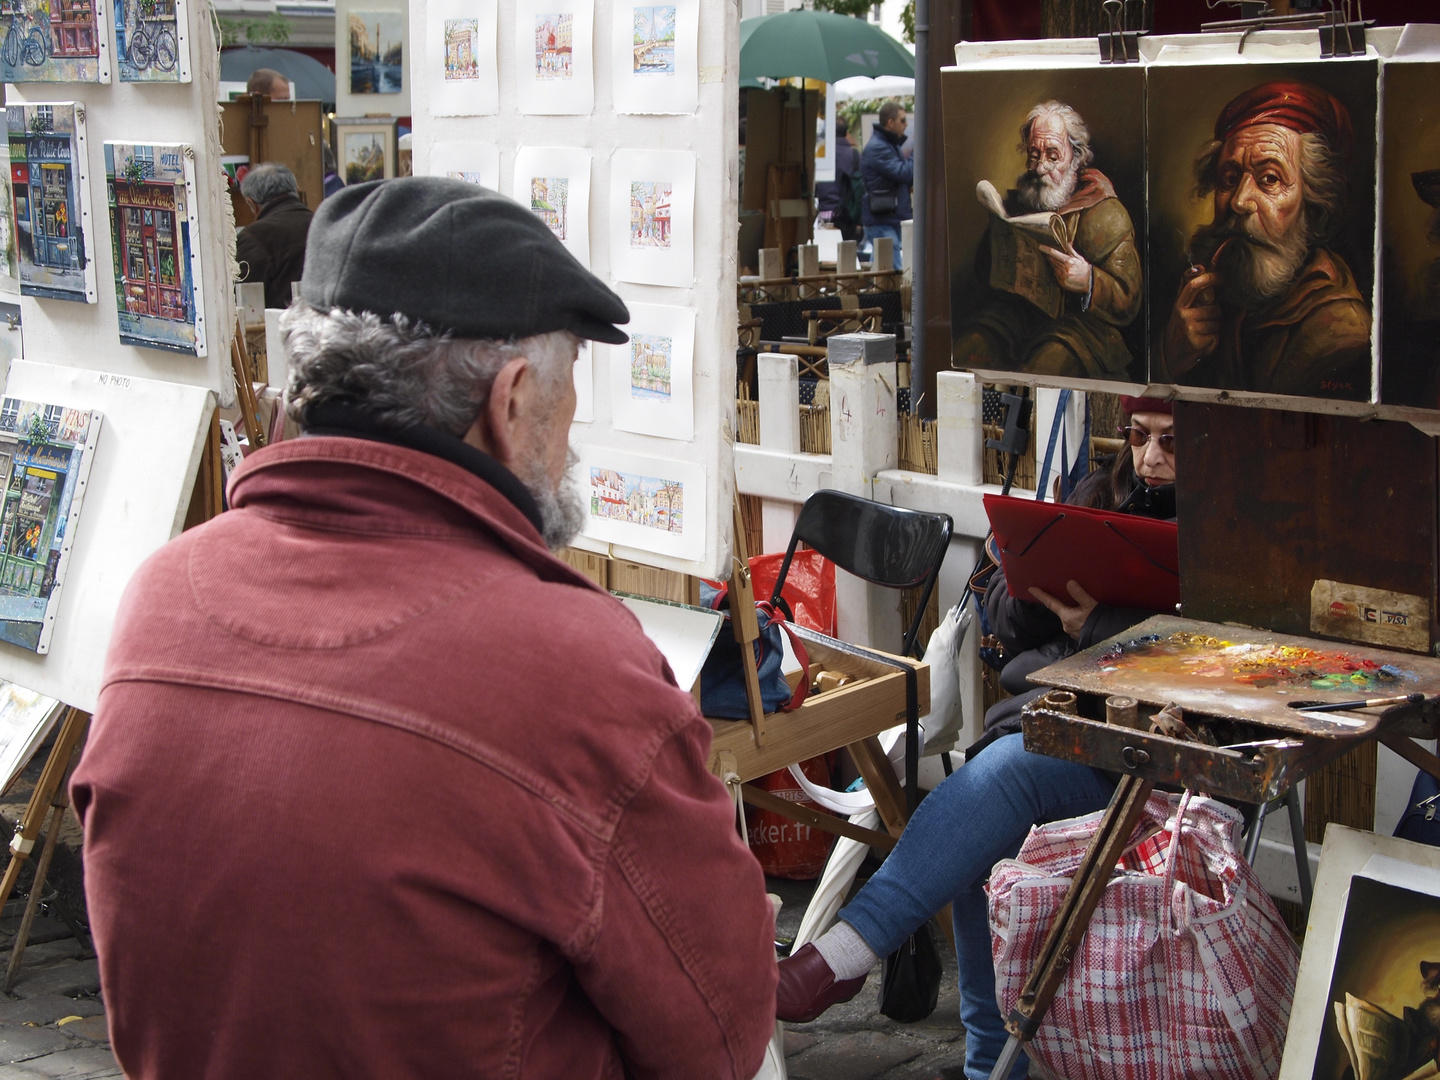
786 848
809 587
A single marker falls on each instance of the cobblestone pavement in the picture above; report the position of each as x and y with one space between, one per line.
52 1024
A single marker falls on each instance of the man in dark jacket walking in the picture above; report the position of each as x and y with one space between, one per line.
888 173
272 247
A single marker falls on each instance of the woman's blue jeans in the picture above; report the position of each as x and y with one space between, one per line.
977 817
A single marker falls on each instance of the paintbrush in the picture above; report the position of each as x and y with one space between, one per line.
1368 703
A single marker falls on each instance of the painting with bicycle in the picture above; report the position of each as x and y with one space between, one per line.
54 41
150 40
150 188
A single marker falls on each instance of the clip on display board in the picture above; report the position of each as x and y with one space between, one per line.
1120 559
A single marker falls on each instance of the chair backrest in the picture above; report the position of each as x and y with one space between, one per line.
885 545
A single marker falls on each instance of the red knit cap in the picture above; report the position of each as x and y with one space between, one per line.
1146 404
1297 106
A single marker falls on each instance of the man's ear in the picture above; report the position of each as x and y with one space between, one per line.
497 430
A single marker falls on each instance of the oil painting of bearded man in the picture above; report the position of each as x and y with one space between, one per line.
1267 303
1098 273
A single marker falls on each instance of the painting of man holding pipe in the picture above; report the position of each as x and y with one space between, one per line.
1267 303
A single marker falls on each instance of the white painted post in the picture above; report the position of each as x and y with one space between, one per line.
772 264
845 257
779 430
809 266
959 451
863 441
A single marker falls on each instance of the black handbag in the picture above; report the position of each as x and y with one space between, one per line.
883 203
910 982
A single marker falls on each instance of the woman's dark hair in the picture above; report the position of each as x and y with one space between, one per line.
1104 495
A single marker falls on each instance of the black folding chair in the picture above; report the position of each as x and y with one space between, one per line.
884 545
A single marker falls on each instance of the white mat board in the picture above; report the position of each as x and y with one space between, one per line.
140 484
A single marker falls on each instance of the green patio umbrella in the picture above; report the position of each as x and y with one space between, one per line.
818 45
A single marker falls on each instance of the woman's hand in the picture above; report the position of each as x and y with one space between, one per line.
1072 619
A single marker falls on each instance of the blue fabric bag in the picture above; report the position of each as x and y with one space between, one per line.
722 679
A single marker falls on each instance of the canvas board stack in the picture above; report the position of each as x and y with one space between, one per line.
615 125
1254 224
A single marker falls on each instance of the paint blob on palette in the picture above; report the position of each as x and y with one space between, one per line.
1254 664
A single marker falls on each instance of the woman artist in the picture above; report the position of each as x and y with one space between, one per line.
983 812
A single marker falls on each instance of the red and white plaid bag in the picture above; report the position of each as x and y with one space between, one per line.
1187 969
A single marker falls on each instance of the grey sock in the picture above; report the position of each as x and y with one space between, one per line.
846 952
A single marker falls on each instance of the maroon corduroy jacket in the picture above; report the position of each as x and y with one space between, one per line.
378 788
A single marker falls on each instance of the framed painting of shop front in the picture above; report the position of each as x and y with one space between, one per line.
153 229
45 456
49 180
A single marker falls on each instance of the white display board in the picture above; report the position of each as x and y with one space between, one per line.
704 138
139 490
87 335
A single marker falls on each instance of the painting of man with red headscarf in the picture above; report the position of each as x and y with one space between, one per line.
1267 304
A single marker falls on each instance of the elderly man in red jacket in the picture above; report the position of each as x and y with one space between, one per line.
377 786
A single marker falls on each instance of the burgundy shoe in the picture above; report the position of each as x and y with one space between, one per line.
808 987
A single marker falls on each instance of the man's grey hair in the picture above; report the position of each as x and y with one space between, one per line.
268 181
1076 131
400 372
1322 180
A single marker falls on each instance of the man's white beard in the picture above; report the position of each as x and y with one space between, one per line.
562 507
1254 268
1049 190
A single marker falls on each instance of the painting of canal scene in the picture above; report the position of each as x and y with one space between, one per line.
655 40
50 203
376 51
554 45
650 362
462 38
45 457
637 500
650 214
549 199
157 282
147 41
52 41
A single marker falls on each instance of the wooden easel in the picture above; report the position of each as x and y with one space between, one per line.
867 753
50 796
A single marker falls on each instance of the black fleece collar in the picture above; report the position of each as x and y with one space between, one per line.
350 422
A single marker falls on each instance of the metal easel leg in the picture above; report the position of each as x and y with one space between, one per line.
1252 840
1302 852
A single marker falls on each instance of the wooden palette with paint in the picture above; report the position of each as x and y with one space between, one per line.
1234 686
1245 675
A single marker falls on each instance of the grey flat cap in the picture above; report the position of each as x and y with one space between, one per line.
455 256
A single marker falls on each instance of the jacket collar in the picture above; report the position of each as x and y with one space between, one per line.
347 421
891 137
274 206
406 491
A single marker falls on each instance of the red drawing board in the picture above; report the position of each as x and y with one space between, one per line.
1120 559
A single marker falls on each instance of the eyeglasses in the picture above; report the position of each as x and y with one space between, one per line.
1138 437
